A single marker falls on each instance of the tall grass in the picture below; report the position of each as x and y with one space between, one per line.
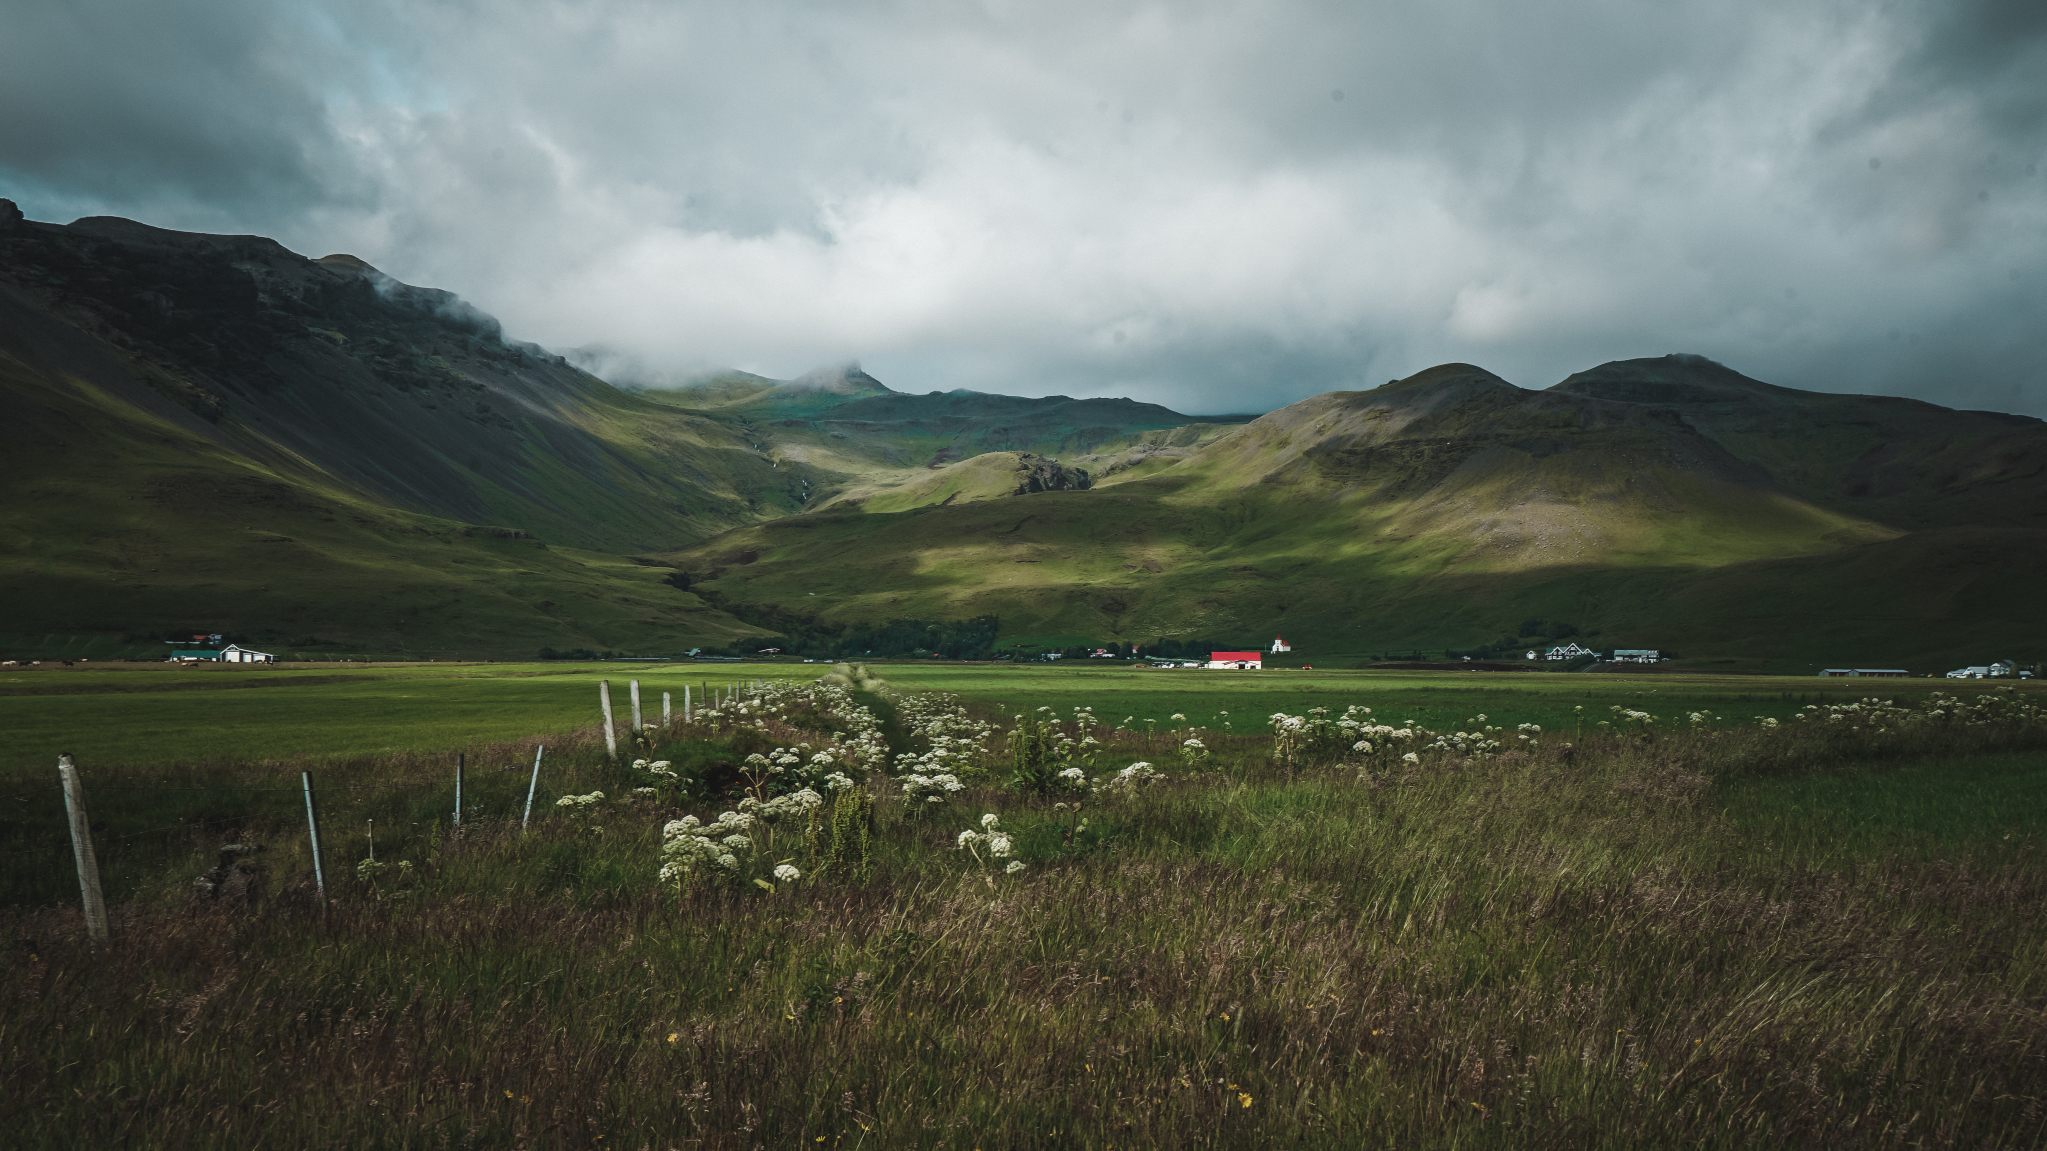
1617 944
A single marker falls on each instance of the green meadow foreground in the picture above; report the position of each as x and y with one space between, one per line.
926 913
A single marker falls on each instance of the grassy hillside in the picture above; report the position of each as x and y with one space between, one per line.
1445 509
211 432
117 523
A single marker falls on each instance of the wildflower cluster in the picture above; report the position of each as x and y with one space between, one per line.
1476 744
1628 715
691 848
738 846
661 778
920 790
1305 740
992 839
1044 755
1131 779
1373 739
580 806
846 734
954 741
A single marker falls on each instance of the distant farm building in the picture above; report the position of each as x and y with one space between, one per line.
1237 660
189 655
236 653
1864 673
1568 651
2001 669
1636 655
1279 644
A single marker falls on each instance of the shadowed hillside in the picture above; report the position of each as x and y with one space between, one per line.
211 430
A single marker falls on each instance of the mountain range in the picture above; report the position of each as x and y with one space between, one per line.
213 432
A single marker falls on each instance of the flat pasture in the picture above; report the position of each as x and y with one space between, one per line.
156 714
129 718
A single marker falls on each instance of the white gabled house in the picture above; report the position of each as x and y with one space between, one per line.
1568 651
1279 644
236 653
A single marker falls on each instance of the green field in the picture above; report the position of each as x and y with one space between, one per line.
154 714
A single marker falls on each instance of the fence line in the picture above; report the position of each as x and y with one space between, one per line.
315 809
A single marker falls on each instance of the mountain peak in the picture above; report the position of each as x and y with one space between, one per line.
844 380
1679 378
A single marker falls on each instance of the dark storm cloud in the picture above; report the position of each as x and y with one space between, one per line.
208 111
1212 205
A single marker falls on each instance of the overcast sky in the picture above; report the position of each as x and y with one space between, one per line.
1215 206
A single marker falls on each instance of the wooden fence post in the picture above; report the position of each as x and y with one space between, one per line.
461 761
667 716
313 829
685 703
81 850
528 818
610 735
637 725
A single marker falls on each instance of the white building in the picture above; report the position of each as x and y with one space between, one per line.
236 653
1568 651
1237 660
1279 645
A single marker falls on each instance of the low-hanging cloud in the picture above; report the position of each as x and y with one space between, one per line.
1216 206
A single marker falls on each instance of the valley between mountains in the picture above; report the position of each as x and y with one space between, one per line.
214 433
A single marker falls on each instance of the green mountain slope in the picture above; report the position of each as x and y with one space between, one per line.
213 431
1446 509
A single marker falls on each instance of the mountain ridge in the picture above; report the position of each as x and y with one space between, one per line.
213 429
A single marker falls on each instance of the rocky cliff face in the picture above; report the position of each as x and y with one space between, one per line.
1036 473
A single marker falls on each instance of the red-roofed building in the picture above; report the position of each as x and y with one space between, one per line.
1279 644
1237 660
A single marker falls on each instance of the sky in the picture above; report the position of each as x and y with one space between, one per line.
1220 207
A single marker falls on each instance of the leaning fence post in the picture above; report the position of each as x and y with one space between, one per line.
610 736
313 830
666 714
528 817
461 761
81 850
637 725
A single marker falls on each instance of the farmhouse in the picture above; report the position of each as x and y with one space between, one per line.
1864 673
1237 660
1636 655
236 653
1568 651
